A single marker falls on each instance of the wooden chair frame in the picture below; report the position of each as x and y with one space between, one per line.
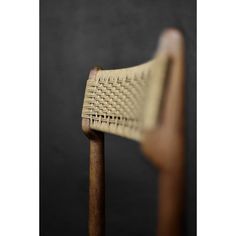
171 147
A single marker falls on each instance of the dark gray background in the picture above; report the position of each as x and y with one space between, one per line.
75 36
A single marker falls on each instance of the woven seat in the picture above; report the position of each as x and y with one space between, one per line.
126 101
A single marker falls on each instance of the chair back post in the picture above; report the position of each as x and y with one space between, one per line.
164 146
171 178
96 219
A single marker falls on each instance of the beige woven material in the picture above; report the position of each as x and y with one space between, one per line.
126 101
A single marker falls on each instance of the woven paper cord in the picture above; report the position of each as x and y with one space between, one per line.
126 101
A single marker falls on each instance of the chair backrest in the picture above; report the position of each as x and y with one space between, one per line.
128 102
125 101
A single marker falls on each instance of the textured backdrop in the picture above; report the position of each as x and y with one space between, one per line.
75 36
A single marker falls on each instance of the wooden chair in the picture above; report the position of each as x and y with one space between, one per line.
143 103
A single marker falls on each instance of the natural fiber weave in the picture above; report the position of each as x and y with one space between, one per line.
126 101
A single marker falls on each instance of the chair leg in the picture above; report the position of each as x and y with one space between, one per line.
96 221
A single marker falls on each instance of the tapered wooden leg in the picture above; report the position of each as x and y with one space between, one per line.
96 221
96 187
